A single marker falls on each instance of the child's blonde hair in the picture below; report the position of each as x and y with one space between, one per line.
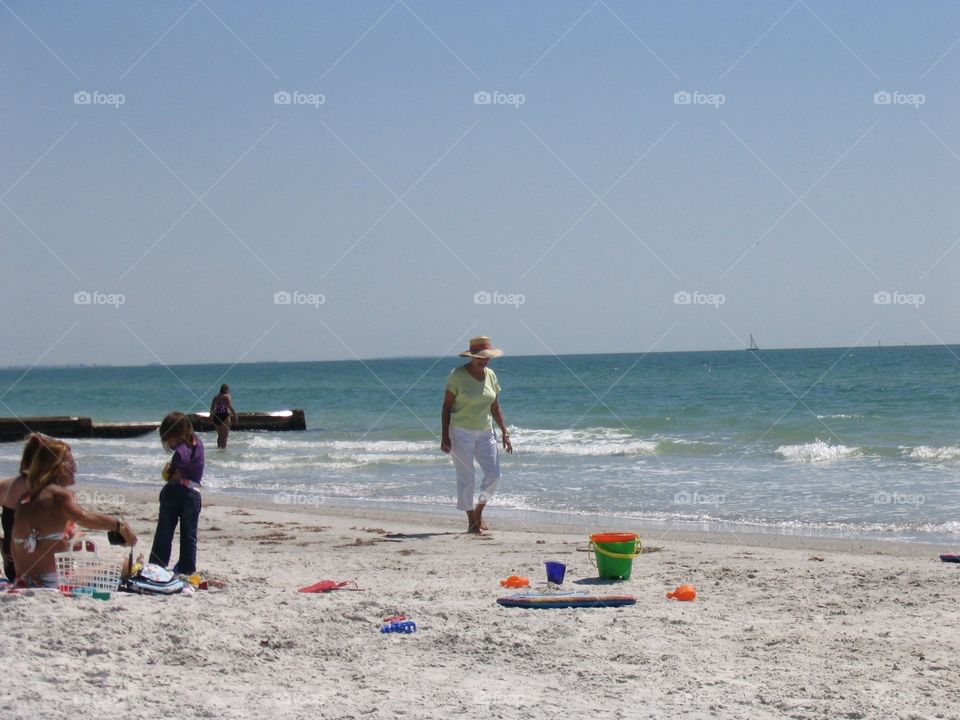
176 428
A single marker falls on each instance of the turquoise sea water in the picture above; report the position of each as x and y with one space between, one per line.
822 441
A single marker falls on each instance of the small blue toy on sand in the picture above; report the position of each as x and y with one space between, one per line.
404 626
398 624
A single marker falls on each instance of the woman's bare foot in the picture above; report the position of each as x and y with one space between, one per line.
473 526
478 517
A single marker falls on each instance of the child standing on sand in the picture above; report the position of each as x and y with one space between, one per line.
180 500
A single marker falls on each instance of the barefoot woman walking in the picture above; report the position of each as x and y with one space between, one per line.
470 403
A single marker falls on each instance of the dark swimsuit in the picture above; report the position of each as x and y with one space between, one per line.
8 568
220 412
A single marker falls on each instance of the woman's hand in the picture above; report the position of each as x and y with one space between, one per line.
445 443
507 445
129 538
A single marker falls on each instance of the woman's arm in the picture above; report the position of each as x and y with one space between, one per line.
233 413
497 413
172 468
96 520
448 400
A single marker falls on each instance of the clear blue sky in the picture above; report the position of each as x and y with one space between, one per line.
785 187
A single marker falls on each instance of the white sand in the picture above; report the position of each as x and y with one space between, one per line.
868 632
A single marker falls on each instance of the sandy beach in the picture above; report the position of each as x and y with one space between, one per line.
866 631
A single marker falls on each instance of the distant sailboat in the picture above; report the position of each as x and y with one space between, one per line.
752 347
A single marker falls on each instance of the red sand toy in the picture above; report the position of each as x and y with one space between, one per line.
328 585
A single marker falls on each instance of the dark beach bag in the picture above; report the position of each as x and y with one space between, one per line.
153 580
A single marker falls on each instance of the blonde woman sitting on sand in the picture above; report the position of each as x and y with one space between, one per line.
47 508
11 490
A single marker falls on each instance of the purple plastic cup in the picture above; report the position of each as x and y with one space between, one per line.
555 572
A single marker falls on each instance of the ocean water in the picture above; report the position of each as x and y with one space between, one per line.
860 442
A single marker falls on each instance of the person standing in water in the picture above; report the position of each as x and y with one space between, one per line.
222 415
471 403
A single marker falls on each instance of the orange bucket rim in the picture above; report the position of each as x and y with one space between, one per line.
614 537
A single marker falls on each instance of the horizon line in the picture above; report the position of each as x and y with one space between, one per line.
67 366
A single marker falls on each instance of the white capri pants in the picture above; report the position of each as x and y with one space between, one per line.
465 445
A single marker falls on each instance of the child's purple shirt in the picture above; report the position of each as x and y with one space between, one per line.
188 460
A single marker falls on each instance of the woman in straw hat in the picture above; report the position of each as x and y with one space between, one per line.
470 404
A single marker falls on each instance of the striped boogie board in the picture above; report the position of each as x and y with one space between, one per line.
565 601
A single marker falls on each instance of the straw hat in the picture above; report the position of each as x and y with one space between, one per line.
481 347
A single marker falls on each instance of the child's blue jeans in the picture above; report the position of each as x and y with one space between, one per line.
178 504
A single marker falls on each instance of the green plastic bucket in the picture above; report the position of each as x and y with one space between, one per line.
615 553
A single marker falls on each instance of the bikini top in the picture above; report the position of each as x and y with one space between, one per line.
29 543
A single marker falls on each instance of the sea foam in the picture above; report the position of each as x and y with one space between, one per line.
926 452
817 451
